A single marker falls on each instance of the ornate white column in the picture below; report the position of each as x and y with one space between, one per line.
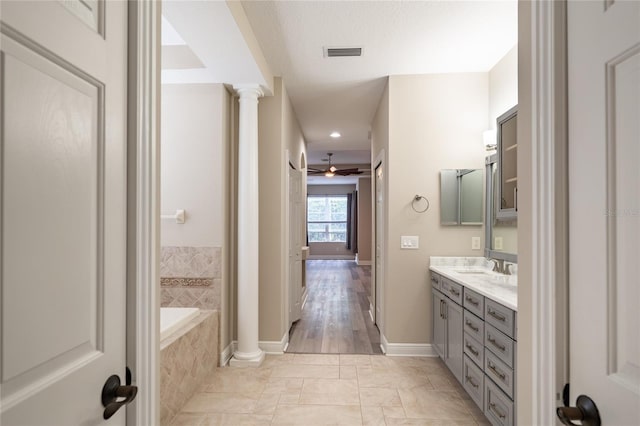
248 352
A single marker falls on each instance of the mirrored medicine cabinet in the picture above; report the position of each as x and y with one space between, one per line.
501 228
461 196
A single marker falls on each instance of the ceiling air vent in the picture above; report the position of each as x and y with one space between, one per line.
331 52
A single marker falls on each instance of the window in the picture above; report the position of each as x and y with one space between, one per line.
327 219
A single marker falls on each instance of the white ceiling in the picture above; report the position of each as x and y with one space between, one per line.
202 43
398 37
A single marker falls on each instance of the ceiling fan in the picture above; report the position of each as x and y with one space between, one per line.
332 170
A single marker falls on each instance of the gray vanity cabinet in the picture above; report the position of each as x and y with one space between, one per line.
447 324
476 338
439 323
453 357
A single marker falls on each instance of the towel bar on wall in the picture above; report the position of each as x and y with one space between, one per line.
178 217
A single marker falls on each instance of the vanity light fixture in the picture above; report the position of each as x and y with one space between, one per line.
489 139
335 134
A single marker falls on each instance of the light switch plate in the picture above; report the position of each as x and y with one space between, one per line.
498 243
475 243
409 242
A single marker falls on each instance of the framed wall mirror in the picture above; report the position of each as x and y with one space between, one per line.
461 197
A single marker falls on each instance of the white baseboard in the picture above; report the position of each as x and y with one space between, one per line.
331 257
269 347
275 347
226 354
406 349
363 262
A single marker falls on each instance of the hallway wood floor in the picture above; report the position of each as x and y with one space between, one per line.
335 318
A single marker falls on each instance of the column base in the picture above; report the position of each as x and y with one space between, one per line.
254 361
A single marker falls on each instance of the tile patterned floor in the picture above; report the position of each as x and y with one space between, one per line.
301 389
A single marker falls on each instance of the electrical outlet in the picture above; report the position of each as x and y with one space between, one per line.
498 243
475 243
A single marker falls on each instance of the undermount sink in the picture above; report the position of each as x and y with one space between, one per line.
472 272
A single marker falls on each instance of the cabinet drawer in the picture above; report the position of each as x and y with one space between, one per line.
474 326
474 302
473 381
500 344
474 349
435 281
499 372
498 408
500 317
452 290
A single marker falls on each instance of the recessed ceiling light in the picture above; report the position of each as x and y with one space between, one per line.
335 135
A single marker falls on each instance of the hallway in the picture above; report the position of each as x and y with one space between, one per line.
336 318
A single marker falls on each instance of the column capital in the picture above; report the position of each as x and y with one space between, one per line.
249 90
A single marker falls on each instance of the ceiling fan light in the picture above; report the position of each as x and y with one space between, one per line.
333 169
329 173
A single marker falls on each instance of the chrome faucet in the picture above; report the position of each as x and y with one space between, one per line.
501 267
498 265
507 268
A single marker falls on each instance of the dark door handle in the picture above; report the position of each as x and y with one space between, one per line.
115 396
585 411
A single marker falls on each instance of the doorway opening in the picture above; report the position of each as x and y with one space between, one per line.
336 312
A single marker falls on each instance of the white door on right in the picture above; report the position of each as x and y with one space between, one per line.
604 202
379 237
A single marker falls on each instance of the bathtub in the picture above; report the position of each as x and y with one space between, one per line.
188 354
172 319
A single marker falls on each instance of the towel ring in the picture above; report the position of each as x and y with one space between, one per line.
415 200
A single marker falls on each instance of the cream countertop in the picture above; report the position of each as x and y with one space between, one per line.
498 287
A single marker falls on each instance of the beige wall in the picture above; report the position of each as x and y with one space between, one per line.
194 163
271 212
503 95
278 131
364 219
503 86
380 128
434 122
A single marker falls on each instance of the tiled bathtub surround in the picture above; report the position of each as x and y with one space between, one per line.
187 357
191 277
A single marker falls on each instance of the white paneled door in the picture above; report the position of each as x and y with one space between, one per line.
63 219
296 211
379 247
604 199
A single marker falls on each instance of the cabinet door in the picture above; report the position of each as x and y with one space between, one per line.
439 325
507 204
454 338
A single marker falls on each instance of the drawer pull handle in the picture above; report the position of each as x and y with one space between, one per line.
496 315
472 349
471 326
473 301
494 343
500 374
494 408
454 292
470 380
